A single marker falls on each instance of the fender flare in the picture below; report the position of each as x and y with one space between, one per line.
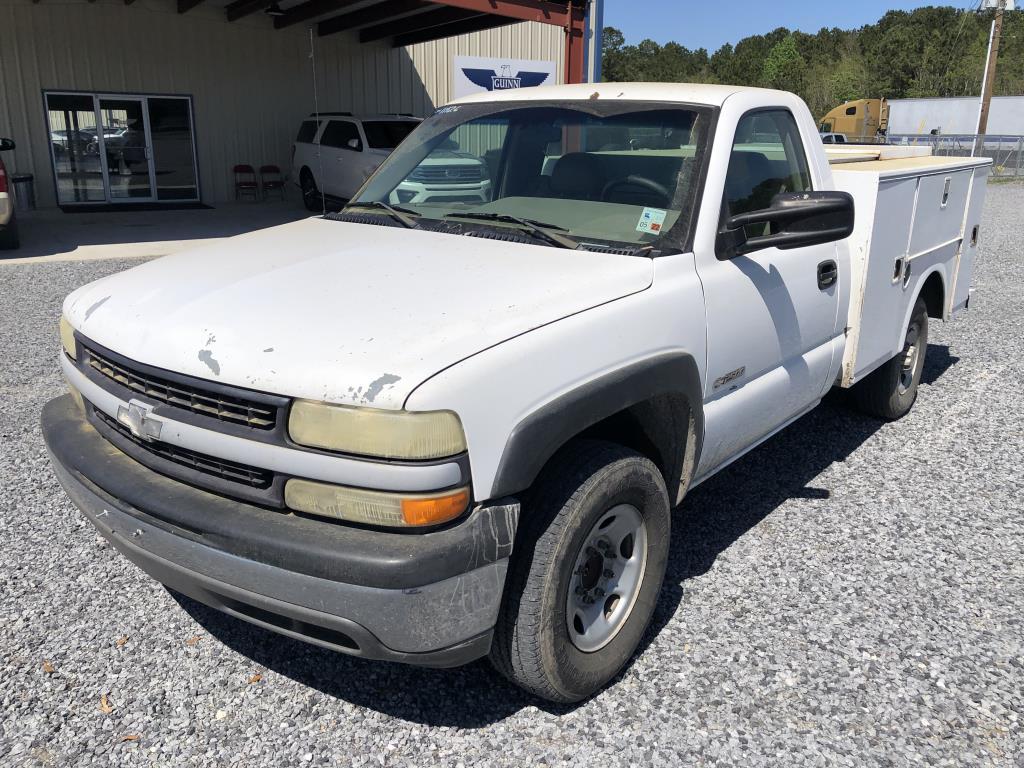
537 438
919 290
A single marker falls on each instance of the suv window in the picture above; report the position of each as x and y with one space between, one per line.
339 133
307 132
767 159
387 134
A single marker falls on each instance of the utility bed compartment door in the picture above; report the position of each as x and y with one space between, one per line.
972 238
939 214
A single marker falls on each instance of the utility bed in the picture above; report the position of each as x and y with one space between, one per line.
913 211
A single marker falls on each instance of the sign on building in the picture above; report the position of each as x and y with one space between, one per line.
476 74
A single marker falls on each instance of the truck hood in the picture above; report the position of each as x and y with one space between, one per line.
347 313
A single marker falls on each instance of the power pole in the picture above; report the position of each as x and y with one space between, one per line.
990 74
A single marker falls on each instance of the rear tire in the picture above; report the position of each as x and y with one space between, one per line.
581 494
9 236
311 197
890 391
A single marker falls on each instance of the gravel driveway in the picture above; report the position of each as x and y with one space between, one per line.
850 593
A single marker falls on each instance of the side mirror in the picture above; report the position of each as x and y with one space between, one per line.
796 219
6 145
354 144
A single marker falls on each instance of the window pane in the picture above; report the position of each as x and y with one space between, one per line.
767 159
387 134
339 133
76 155
170 125
307 131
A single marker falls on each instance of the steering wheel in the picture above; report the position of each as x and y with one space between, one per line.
637 181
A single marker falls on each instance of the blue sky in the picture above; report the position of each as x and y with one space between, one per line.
712 24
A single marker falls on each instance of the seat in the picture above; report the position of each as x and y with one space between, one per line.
271 180
245 182
577 176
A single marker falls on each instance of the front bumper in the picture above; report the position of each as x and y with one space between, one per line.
428 599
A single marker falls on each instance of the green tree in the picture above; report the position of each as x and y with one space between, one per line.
784 68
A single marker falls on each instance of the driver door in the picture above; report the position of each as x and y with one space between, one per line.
770 324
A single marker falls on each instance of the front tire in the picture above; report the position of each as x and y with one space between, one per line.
586 574
890 391
311 197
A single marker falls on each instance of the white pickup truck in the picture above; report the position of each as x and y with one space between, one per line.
432 432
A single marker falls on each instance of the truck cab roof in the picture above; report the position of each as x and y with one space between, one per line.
686 93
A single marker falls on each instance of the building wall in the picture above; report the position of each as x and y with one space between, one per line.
251 84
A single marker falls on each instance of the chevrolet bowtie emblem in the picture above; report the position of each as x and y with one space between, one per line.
136 416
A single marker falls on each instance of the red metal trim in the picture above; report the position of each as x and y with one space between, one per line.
570 15
544 11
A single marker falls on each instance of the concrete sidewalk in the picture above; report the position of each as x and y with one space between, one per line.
52 235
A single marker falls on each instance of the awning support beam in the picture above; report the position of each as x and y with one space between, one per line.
570 15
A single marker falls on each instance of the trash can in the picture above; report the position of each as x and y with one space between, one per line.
24 191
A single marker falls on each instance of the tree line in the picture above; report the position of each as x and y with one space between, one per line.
934 51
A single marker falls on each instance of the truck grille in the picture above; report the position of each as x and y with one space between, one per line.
448 174
252 477
186 395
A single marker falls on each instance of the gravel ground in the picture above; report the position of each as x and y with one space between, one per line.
850 593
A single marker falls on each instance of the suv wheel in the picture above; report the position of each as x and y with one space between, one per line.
586 572
310 194
9 235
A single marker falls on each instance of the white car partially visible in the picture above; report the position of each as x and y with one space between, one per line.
335 152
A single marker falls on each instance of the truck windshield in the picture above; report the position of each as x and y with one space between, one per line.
618 172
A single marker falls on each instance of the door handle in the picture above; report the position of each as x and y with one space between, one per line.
828 274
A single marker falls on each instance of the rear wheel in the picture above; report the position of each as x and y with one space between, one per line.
586 574
9 235
890 391
311 197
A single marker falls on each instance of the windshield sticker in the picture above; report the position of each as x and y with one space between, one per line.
447 110
651 221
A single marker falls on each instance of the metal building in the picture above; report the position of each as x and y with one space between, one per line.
190 88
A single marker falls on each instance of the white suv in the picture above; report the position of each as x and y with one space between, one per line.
335 152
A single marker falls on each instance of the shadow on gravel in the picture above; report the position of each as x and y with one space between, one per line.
726 506
711 518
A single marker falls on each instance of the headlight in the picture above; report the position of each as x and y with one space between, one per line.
373 507
67 338
376 432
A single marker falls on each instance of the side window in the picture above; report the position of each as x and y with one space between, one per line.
767 159
307 132
851 110
342 134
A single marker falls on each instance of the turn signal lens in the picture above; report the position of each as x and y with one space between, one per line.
67 338
376 432
374 507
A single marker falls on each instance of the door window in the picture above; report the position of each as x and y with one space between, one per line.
342 134
767 159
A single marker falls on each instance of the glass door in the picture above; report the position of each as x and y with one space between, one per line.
74 148
122 148
125 153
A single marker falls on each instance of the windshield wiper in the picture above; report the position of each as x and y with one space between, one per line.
545 231
399 214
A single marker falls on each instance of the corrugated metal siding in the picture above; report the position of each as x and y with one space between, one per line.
250 84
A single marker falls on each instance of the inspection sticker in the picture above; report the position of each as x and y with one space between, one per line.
651 221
